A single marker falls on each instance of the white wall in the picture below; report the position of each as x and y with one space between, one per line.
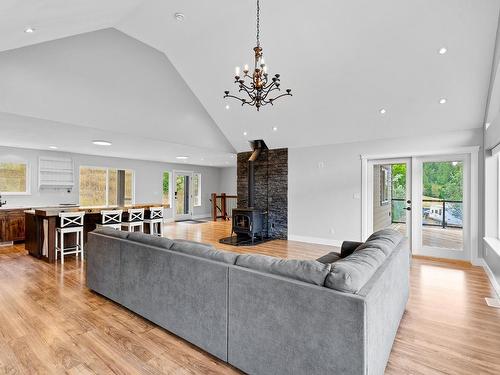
148 178
228 180
325 182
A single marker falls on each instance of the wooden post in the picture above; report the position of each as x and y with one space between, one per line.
214 206
223 206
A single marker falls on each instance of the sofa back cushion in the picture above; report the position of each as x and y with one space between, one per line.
148 239
309 271
385 240
351 273
110 232
203 251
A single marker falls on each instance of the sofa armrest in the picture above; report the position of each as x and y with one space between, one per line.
348 248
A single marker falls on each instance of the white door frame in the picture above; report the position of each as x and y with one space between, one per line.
472 151
370 182
418 249
190 192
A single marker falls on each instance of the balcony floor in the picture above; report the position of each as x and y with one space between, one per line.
448 238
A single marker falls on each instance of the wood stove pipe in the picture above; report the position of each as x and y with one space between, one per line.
257 146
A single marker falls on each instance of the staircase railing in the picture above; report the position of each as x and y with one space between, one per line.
222 206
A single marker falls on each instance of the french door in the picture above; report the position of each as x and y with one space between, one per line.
425 198
442 206
183 197
390 195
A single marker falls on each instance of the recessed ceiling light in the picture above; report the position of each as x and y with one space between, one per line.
442 101
100 142
442 50
53 147
182 157
29 30
383 111
275 128
487 125
245 133
227 106
179 16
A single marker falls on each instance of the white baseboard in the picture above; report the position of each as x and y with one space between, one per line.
194 217
202 216
492 278
315 240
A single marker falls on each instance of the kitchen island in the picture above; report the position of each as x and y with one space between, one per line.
41 227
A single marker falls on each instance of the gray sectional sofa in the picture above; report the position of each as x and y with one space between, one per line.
264 315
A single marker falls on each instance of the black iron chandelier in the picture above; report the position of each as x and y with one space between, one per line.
259 91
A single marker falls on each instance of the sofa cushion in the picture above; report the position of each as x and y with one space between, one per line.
148 239
329 258
309 271
203 251
386 240
112 232
351 273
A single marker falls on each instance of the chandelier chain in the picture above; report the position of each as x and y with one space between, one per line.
258 23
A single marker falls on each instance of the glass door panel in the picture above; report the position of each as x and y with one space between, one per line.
182 196
442 204
391 195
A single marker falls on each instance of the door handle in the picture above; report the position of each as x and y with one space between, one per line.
408 201
408 208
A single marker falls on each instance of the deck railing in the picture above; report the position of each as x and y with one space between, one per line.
222 206
435 212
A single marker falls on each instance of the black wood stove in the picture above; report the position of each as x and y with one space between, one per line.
249 224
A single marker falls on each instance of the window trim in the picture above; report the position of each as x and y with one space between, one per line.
28 178
133 186
170 176
198 174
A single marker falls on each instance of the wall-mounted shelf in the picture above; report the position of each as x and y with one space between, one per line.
55 173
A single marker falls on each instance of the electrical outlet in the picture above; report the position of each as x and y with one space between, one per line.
332 231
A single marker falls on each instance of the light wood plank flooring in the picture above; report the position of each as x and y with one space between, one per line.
50 323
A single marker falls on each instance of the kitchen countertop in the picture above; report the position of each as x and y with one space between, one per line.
54 211
22 208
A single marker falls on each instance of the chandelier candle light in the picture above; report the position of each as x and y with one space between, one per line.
259 89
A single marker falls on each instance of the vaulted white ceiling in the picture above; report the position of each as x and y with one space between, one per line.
344 60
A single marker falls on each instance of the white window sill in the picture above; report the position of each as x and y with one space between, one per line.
493 243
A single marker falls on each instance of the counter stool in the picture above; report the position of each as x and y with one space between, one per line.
155 221
70 222
111 219
135 220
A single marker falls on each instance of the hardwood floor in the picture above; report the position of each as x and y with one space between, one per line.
50 323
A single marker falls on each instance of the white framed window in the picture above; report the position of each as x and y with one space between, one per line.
197 189
14 178
99 186
166 194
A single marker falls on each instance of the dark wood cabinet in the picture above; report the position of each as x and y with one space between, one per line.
12 225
